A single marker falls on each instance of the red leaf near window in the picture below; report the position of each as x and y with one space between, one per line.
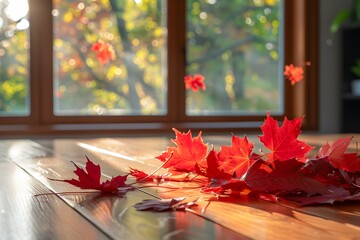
236 158
282 141
187 154
105 51
195 83
90 179
293 74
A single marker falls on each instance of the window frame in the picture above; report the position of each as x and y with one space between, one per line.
300 45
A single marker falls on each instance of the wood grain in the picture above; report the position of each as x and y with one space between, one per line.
114 214
228 218
24 216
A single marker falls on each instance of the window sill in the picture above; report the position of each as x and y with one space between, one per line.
86 130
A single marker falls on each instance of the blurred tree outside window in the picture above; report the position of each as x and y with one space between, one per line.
236 45
110 57
132 79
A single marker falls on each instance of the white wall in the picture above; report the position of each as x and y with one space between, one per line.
330 67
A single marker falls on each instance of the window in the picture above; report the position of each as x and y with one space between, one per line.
110 57
236 46
109 65
14 54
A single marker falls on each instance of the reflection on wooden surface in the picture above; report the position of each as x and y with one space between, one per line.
23 216
26 166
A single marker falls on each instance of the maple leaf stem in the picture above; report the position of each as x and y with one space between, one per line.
193 177
53 179
156 170
203 210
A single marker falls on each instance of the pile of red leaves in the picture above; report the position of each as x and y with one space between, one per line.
283 170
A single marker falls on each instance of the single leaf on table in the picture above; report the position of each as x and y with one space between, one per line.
338 158
187 154
282 141
90 179
235 159
281 177
160 205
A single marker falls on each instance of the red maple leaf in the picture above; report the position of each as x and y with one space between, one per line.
282 141
236 158
338 158
187 154
282 176
105 51
212 171
294 74
321 170
195 83
90 179
350 162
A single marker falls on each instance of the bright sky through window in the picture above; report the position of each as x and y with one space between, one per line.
17 9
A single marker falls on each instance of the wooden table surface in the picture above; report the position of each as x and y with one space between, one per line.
26 165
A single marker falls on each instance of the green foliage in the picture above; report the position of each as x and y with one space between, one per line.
352 15
340 18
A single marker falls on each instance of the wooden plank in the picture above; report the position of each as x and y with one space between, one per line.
115 214
258 219
320 221
250 217
22 215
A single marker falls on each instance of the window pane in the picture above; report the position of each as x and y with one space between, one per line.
110 57
14 58
236 46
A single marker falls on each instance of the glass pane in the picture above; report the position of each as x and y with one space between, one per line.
236 46
14 58
110 57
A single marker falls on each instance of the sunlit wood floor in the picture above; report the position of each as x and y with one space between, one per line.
26 166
